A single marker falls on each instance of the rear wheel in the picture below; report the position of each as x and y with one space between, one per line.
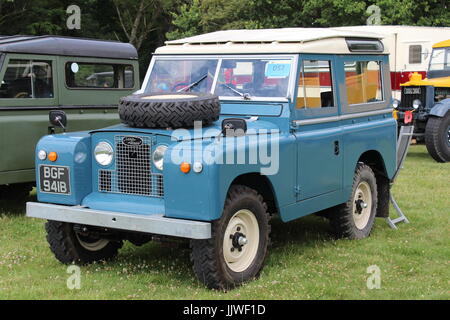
70 246
239 244
355 218
437 138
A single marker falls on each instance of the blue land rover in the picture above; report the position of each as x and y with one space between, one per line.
228 130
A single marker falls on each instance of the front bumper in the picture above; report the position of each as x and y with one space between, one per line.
154 224
417 115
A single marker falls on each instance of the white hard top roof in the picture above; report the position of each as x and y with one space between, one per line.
285 40
382 29
273 35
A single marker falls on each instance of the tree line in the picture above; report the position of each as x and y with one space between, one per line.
148 23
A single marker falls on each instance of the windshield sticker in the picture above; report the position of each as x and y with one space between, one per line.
278 69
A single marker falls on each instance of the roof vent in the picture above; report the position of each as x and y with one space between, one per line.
364 45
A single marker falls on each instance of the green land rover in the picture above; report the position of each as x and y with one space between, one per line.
83 77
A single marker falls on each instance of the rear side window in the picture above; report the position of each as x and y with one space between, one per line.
99 76
363 81
27 79
315 85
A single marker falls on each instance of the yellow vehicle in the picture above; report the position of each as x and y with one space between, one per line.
429 100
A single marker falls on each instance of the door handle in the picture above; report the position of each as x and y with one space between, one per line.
336 147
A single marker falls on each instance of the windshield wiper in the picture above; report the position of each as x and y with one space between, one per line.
193 84
245 96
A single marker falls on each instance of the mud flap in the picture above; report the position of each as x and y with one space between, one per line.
383 188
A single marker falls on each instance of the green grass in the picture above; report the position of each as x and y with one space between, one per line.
305 261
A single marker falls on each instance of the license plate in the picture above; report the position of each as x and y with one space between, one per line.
412 90
54 179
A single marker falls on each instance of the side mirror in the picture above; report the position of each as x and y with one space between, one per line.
234 127
58 118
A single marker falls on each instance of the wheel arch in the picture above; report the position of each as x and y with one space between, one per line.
440 109
262 185
376 162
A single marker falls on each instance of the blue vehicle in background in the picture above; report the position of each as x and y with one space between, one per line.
228 130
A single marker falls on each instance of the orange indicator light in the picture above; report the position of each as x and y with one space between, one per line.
52 156
185 167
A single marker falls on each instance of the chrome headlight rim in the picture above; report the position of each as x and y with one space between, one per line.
42 155
158 156
395 103
104 153
416 104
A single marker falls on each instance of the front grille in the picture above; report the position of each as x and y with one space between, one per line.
409 94
133 173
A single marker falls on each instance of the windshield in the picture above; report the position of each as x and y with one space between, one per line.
439 63
170 76
230 78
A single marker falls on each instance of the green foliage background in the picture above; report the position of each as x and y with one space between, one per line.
172 19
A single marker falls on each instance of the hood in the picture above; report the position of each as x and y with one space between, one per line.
183 134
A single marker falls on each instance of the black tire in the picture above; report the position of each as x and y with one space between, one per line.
208 257
156 111
66 245
437 137
349 221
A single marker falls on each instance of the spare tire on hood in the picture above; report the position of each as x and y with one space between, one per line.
172 110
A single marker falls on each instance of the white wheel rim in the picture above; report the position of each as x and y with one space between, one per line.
362 205
243 225
94 245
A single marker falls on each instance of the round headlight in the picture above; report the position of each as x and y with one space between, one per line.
42 155
416 104
395 103
158 157
103 153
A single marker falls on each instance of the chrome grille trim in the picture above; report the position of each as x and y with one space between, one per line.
133 170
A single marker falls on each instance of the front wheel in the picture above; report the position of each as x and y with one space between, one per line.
70 246
437 138
239 244
355 218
